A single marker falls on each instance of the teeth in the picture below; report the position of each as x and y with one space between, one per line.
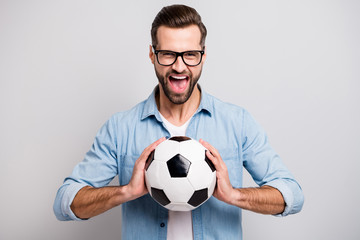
179 77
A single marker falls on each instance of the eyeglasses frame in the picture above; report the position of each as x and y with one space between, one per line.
181 54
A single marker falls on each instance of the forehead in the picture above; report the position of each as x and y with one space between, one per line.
179 39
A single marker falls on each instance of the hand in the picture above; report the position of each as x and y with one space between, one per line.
223 190
136 186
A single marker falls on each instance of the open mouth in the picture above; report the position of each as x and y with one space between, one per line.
178 83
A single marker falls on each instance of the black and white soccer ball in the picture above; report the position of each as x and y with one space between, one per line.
178 174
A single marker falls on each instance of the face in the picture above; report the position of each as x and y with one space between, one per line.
177 81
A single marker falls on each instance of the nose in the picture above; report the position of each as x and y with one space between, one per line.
179 65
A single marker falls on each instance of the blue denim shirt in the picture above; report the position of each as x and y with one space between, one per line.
241 142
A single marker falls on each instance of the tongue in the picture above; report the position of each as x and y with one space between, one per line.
178 85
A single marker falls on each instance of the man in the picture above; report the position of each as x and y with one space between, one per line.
179 107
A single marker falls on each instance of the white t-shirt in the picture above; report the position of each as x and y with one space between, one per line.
179 223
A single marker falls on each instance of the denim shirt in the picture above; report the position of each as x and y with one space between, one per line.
241 142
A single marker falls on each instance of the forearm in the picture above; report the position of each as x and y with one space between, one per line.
90 201
265 200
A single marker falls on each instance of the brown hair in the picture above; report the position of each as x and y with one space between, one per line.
177 16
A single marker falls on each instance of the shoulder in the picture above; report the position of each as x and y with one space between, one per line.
219 107
131 115
231 114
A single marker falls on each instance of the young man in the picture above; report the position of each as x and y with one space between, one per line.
179 107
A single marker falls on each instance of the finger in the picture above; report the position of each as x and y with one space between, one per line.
145 154
214 156
152 146
205 144
213 159
149 150
208 152
156 143
212 150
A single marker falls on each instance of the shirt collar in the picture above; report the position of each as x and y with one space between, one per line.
150 107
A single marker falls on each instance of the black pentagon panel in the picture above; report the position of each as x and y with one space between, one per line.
180 138
209 162
178 166
159 196
198 197
149 160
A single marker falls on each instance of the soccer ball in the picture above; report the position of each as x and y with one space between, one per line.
178 174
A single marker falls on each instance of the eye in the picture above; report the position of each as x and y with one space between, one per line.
167 54
192 54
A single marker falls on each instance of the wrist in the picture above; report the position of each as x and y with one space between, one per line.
235 197
128 193
125 193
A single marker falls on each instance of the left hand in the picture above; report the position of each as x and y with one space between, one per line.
136 187
224 191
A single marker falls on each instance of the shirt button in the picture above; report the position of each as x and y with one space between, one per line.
162 224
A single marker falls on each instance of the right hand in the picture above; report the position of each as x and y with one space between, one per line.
136 186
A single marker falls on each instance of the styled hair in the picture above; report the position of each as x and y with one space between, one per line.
177 16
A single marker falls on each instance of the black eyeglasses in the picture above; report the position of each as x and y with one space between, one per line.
167 58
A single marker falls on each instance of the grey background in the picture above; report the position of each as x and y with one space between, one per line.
67 66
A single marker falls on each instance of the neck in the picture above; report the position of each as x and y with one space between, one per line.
178 114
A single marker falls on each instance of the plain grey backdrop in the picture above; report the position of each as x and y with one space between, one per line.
67 66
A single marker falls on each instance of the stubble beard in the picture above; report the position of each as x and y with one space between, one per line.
177 98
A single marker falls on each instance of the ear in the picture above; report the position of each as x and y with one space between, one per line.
204 56
151 54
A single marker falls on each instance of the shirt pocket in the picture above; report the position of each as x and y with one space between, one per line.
126 168
233 162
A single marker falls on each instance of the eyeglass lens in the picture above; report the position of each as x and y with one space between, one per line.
191 58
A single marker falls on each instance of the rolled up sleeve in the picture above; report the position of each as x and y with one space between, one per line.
97 169
266 167
63 200
292 194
